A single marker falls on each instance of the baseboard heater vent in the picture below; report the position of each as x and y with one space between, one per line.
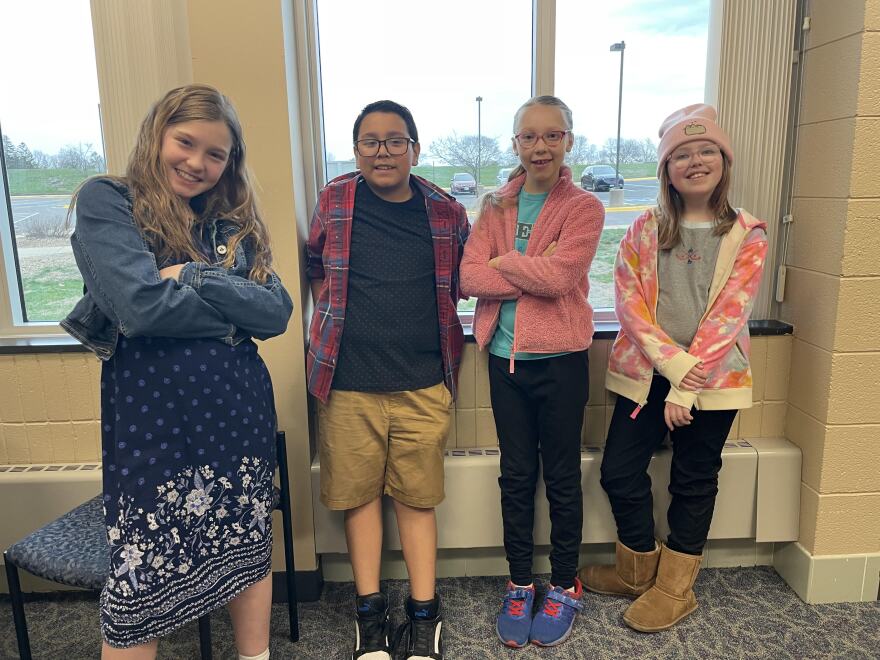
758 498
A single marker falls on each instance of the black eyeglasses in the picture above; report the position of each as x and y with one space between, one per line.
395 146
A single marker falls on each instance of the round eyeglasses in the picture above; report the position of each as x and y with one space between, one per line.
528 139
395 146
683 159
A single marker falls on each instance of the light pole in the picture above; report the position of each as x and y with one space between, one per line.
620 46
479 144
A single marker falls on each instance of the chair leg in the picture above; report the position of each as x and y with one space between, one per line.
21 633
205 637
290 566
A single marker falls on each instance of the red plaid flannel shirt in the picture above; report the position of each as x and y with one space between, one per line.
327 259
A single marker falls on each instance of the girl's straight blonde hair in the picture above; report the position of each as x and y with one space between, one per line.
670 207
491 199
162 216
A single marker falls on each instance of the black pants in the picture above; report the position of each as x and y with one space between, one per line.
540 408
693 482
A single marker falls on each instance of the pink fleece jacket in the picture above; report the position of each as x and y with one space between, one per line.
552 312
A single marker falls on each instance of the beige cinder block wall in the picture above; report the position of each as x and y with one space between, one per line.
833 301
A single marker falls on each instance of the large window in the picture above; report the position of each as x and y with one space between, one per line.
661 49
51 131
461 68
464 70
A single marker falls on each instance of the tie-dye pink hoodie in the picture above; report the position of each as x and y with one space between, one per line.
722 339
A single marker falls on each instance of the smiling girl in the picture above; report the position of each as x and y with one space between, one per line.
177 269
685 278
527 261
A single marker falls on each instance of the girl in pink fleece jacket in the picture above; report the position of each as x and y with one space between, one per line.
685 278
527 261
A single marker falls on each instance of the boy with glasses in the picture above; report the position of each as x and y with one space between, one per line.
383 254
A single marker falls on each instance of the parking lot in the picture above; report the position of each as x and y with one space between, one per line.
638 194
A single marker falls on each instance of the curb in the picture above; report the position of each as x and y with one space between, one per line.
617 209
38 196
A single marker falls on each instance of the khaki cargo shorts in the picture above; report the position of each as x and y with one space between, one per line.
372 443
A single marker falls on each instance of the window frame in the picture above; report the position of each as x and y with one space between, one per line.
12 324
306 118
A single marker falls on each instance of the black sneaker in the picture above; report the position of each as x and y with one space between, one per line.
420 637
372 628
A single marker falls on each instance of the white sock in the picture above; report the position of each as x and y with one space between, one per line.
530 585
262 656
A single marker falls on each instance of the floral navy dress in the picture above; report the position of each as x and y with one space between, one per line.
187 415
189 459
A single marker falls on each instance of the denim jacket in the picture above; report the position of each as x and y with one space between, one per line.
125 294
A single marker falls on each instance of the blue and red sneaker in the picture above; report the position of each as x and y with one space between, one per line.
553 623
515 619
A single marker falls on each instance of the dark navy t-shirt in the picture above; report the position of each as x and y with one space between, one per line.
391 337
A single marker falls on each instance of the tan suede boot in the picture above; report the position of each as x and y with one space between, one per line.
632 575
672 596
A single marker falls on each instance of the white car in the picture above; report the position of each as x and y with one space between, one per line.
503 173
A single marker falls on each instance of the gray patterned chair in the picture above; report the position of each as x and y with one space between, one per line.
72 550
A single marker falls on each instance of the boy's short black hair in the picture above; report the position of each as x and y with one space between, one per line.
393 108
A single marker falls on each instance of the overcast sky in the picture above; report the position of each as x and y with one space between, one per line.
434 56
437 57
48 81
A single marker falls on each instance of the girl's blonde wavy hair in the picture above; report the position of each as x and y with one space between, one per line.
163 217
670 207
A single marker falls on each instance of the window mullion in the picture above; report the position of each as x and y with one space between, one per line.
543 47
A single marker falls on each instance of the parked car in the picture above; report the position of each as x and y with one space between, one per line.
462 182
503 173
600 177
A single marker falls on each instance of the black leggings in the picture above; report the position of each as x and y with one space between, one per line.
693 482
539 409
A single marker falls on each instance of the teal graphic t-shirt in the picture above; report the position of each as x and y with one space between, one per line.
529 206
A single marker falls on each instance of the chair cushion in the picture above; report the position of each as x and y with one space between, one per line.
71 550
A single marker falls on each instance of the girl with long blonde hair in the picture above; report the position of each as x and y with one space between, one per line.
177 270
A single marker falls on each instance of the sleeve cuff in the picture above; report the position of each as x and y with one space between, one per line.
677 368
189 275
681 398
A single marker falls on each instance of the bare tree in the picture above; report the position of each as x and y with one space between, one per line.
80 157
466 150
43 160
631 151
582 152
508 158
649 150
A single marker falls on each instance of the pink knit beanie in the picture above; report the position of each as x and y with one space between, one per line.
693 122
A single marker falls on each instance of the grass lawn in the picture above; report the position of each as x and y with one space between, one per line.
46 182
52 286
601 272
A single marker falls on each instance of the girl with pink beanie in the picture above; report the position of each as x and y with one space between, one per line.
685 279
527 261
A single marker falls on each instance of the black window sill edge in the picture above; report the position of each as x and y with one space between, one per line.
609 329
606 330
